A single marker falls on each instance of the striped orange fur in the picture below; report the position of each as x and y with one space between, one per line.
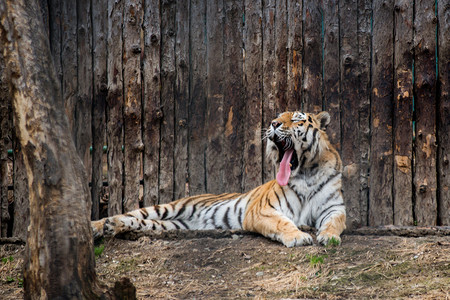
307 191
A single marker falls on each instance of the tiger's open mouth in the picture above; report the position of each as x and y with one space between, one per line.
286 157
285 145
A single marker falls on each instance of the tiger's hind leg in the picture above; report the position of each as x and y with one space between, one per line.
125 223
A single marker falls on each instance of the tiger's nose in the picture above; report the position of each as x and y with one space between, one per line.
276 124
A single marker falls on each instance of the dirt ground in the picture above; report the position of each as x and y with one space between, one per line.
230 265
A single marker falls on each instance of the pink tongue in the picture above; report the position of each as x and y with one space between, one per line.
285 169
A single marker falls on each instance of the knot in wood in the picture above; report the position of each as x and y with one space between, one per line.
154 39
348 59
171 32
183 64
132 20
423 188
136 49
182 123
159 114
103 87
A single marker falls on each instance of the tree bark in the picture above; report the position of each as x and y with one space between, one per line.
60 261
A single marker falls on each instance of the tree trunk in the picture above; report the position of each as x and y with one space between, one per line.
60 261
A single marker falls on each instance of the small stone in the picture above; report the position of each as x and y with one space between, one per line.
259 274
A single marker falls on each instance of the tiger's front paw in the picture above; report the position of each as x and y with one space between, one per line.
326 239
97 228
297 238
113 226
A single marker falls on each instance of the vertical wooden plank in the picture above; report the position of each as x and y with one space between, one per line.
253 151
197 99
69 63
331 70
55 35
269 83
281 54
5 136
166 172
181 173
295 54
214 86
151 101
114 108
444 112
403 98
364 53
99 39
83 105
233 90
181 99
381 155
312 59
348 13
425 180
133 146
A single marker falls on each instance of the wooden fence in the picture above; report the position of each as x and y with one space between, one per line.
180 91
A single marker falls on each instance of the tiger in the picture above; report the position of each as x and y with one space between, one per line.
306 191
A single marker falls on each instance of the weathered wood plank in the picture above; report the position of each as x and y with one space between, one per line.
234 106
381 154
151 101
215 99
55 35
99 39
281 54
403 98
197 99
181 171
269 83
83 105
114 109
312 59
364 53
348 13
5 141
331 70
69 65
253 151
166 172
295 54
425 180
444 112
133 146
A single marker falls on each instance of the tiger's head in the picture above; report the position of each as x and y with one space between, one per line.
295 141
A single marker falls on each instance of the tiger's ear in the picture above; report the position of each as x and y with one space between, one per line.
324 119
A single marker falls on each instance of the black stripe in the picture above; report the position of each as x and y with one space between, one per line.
236 205
163 226
240 216
176 225
325 183
225 218
144 212
180 211
183 223
299 197
165 213
157 211
287 202
268 201
278 198
324 218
